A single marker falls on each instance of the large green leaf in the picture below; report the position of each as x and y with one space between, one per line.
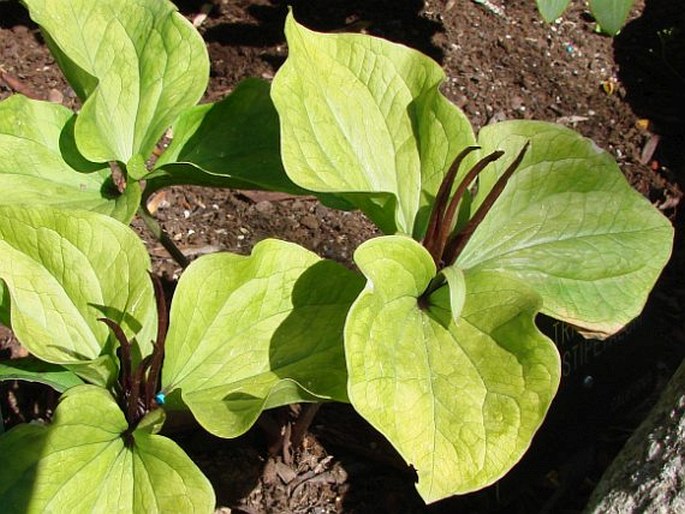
39 163
137 64
611 14
362 115
82 463
249 333
232 143
552 9
570 226
459 397
63 271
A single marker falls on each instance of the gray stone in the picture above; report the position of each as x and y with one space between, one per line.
648 475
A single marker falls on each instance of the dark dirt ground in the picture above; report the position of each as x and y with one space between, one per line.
498 67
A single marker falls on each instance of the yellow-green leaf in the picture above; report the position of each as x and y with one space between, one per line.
460 399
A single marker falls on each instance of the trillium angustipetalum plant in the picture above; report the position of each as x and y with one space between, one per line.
434 342
443 354
245 333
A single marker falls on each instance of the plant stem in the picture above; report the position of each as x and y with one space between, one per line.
158 352
157 230
436 283
423 300
134 413
303 422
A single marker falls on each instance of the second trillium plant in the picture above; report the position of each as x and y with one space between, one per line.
483 232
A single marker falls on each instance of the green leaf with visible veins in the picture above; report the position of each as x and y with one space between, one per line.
460 399
363 115
249 333
39 163
231 143
136 64
81 464
66 269
30 369
570 226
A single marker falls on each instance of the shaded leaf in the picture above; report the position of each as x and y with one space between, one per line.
249 333
80 463
232 143
30 369
459 399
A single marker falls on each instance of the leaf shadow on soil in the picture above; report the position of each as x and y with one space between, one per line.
406 25
13 14
650 54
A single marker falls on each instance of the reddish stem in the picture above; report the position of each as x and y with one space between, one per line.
158 351
134 406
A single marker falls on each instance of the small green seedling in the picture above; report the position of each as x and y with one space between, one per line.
611 15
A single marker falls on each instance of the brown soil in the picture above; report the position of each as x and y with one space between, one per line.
498 67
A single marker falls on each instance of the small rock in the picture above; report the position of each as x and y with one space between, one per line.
55 96
265 207
516 102
269 474
310 222
320 211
